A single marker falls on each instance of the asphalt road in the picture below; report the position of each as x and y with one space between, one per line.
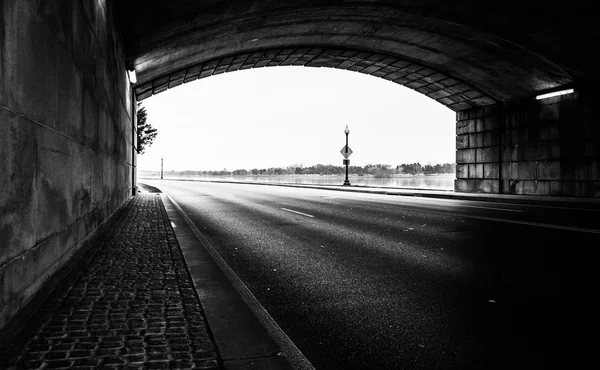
367 281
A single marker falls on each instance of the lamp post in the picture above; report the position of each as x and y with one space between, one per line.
161 168
346 155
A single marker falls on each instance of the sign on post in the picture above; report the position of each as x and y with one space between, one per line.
346 162
346 151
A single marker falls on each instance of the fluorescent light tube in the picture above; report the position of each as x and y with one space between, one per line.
555 93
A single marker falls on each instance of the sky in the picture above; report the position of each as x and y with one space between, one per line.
281 116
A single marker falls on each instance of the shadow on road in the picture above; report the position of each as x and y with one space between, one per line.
149 189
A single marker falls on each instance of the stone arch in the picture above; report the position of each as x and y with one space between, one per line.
495 51
449 91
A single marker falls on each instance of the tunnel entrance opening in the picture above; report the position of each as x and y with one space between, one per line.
287 126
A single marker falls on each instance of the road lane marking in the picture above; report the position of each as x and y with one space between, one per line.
528 223
293 353
300 213
533 205
492 208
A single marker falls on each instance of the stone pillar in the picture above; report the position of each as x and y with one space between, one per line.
477 150
545 147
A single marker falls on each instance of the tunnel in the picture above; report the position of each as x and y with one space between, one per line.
67 104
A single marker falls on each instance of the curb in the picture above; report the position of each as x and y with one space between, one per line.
245 334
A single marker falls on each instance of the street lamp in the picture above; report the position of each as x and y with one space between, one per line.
346 153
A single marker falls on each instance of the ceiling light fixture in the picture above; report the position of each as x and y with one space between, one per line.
132 76
555 93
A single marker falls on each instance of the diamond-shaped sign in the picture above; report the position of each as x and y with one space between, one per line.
346 151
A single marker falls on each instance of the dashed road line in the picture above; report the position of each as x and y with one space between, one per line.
300 213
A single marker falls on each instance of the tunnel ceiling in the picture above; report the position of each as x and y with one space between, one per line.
463 54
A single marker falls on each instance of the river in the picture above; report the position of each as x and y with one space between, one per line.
431 182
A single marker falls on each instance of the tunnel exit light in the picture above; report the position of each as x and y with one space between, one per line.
132 77
555 93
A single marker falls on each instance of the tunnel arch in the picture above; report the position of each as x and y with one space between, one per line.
451 92
500 51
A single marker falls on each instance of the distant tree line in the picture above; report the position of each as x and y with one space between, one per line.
376 170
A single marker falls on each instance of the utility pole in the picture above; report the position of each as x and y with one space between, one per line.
161 168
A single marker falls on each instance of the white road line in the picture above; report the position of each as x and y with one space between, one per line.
492 208
550 226
300 213
294 354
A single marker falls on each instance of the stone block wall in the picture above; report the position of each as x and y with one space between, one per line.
545 147
65 137
477 150
552 147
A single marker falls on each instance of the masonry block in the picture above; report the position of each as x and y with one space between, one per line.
591 189
479 125
570 188
469 113
70 98
537 151
491 123
556 188
549 132
542 188
90 118
505 170
18 198
583 171
465 156
465 127
535 187
548 170
462 141
476 140
487 155
476 171
487 186
33 90
523 170
490 170
462 171
508 186
464 185
511 153
592 149
54 182
490 138
555 151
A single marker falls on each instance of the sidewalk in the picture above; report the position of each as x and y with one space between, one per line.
129 303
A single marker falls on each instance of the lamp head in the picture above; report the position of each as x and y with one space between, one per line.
347 130
132 76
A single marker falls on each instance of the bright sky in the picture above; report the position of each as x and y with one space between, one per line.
278 116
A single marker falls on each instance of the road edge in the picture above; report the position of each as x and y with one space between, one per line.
214 291
538 200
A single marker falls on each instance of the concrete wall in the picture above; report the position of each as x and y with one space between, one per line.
65 137
546 147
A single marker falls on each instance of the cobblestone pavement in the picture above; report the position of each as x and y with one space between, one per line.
129 304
